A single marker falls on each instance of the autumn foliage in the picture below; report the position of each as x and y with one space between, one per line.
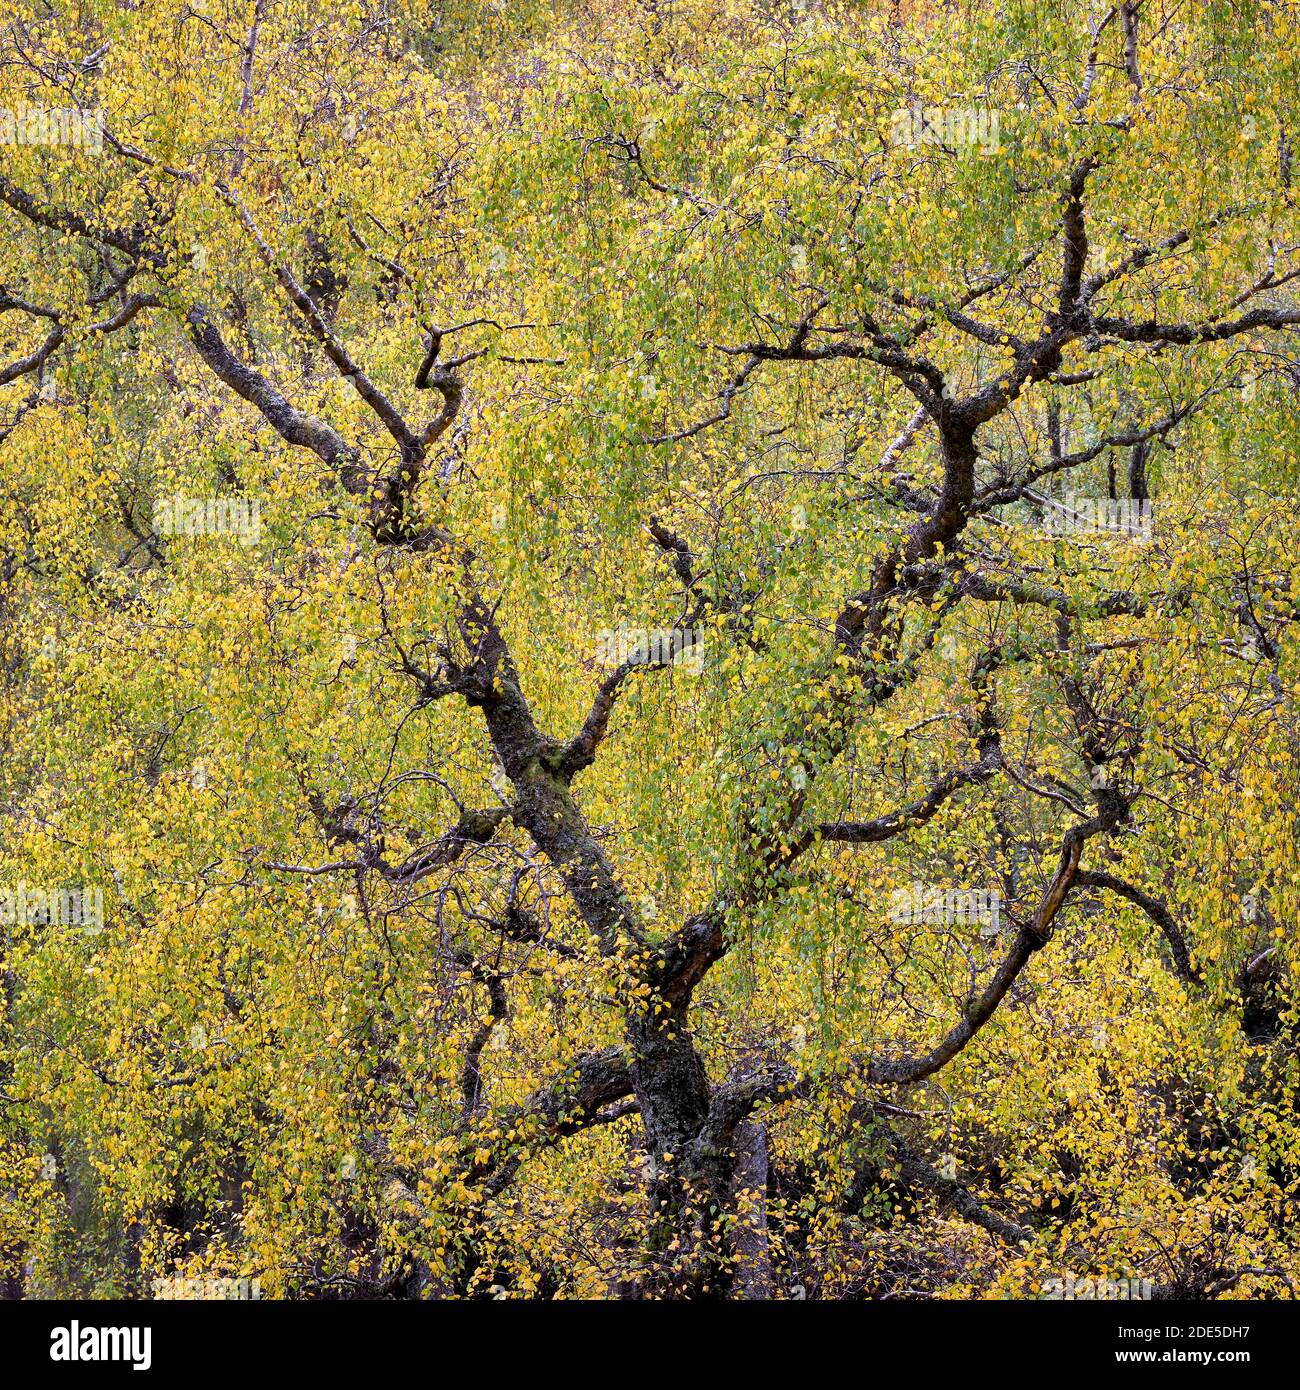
649 648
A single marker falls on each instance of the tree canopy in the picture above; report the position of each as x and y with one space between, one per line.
649 648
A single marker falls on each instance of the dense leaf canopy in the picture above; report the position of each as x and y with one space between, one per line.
649 647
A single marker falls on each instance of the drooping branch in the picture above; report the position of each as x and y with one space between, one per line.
916 1172
473 828
925 808
1032 937
35 360
130 243
1154 908
59 333
570 1103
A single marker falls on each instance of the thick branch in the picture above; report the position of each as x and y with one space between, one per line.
293 425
